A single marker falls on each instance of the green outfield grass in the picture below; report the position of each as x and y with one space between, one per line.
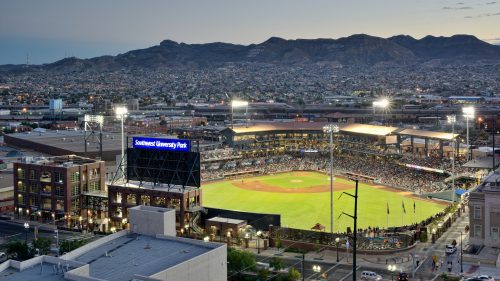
303 210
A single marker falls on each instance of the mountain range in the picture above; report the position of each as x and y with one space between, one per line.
357 50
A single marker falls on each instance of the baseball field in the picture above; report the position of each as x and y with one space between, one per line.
302 198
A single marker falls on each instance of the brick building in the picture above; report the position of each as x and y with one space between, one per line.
53 189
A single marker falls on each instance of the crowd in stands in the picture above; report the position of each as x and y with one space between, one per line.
386 171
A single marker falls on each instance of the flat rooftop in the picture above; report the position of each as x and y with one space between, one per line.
122 258
38 272
70 140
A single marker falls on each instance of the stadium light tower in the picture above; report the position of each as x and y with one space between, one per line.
331 129
452 119
469 113
237 104
382 103
121 112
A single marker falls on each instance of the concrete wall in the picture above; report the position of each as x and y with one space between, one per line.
211 266
92 245
150 221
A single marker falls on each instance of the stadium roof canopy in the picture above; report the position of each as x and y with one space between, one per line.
428 134
279 126
368 129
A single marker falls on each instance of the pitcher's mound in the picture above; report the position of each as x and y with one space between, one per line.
296 181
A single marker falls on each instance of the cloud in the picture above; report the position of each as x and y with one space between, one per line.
460 3
494 41
491 3
483 15
457 8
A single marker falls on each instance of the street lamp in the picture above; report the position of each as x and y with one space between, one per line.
121 112
337 241
331 129
259 233
26 228
392 268
468 112
461 254
452 119
236 104
316 269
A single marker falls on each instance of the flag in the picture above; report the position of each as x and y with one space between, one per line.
403 206
387 207
414 207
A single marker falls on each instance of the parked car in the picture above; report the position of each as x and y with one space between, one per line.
481 278
370 275
403 276
450 249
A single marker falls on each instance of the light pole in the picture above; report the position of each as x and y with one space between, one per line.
259 233
121 112
57 238
468 112
383 103
331 129
392 268
461 254
337 241
236 104
26 228
452 119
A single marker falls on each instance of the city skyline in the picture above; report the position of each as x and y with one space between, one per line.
49 31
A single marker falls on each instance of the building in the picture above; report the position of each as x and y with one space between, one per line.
67 142
484 209
54 189
145 252
6 199
185 201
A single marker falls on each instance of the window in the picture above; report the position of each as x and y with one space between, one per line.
34 201
47 189
46 177
20 173
34 188
33 174
58 177
20 199
477 230
75 205
477 212
60 205
21 186
494 233
47 204
75 189
95 186
75 177
145 200
59 191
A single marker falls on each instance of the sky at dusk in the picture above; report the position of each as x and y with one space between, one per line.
50 30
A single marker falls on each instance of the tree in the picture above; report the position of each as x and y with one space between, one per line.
19 250
42 244
292 275
240 260
68 246
263 274
276 263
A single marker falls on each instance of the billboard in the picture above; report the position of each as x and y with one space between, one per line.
163 161
161 144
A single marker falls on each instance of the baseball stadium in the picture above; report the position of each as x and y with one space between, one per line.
284 169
